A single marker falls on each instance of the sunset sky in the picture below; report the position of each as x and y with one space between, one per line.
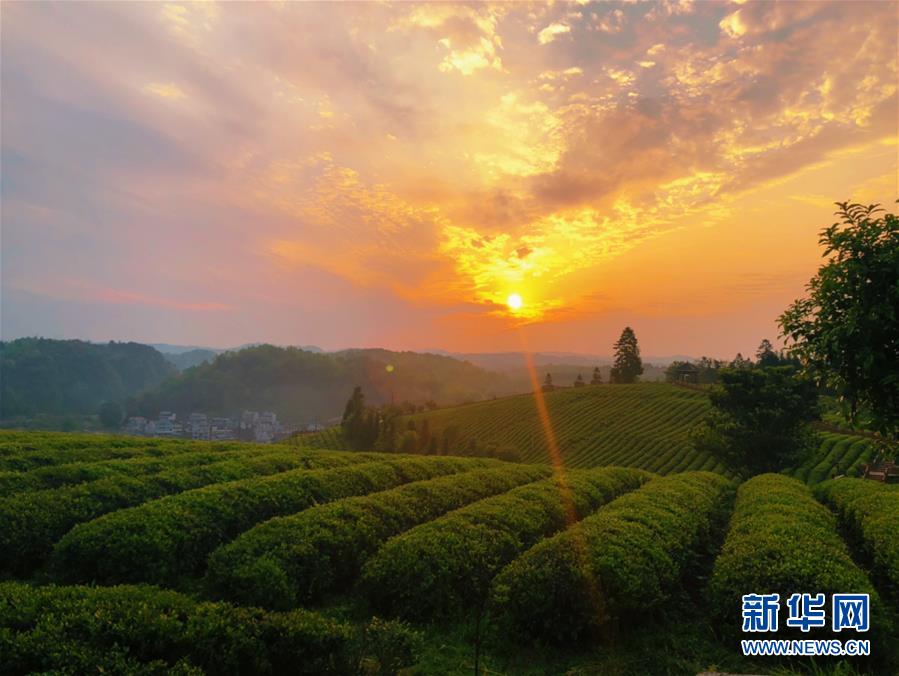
353 175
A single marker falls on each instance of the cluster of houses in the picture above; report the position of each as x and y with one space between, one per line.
263 428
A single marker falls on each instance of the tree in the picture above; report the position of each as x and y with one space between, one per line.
579 381
354 406
548 383
628 364
360 425
110 415
759 419
846 331
597 377
740 362
765 355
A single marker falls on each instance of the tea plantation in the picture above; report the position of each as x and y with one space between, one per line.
136 556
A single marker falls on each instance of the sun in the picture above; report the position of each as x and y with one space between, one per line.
514 301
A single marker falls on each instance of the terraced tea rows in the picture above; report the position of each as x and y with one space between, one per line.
643 425
304 554
838 454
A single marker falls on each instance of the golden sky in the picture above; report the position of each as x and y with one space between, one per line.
363 174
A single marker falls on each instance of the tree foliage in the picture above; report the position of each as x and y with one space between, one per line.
597 377
110 414
301 385
846 331
58 377
759 419
548 383
628 365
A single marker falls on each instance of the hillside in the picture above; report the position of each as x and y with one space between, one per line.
189 557
304 386
59 377
642 425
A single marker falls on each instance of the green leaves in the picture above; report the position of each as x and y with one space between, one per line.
298 558
870 511
759 419
443 568
623 560
780 540
847 331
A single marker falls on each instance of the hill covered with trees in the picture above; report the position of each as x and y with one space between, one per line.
301 385
42 376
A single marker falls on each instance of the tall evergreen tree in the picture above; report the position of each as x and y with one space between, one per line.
597 377
628 364
548 383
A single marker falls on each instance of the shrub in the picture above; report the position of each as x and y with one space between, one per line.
870 511
146 629
613 566
57 476
294 559
163 540
780 540
444 567
394 645
31 522
22 451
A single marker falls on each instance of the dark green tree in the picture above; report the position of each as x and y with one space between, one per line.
765 355
597 377
740 362
360 425
759 419
579 381
110 415
548 383
628 365
846 331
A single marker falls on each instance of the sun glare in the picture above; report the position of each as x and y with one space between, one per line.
514 302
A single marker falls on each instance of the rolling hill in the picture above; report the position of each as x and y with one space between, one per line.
642 425
646 425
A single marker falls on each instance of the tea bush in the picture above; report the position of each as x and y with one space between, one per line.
295 559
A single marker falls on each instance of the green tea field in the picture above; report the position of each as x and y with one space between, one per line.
128 556
643 425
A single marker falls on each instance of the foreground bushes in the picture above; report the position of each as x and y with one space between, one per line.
295 559
149 630
616 564
780 540
870 511
444 567
163 540
56 476
31 522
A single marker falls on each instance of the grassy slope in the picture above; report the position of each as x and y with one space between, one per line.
643 425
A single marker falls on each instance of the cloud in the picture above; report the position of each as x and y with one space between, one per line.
426 152
551 32
165 90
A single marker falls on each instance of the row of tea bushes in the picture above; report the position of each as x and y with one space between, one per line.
150 630
444 567
780 540
31 522
296 559
166 539
614 566
22 451
870 512
67 474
